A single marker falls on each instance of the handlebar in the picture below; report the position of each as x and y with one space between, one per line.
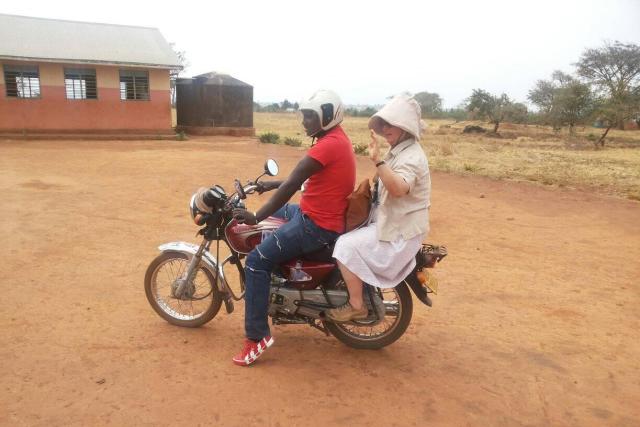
232 201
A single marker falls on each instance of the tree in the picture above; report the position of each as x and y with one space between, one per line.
614 70
175 72
495 109
516 112
562 100
286 104
430 103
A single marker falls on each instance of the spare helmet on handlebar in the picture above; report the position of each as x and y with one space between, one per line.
206 205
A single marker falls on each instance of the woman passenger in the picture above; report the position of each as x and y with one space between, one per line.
382 253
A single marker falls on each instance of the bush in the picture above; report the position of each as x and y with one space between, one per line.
181 136
293 142
269 138
360 149
470 168
473 129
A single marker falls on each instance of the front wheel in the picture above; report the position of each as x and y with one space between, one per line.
398 311
200 301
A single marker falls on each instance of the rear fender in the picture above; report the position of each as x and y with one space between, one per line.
418 289
208 260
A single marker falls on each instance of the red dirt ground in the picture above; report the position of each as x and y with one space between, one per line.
536 322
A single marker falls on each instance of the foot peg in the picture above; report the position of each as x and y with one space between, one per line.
228 303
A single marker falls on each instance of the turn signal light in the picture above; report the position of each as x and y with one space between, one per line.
422 277
428 279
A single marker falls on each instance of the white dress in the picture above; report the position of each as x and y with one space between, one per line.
378 263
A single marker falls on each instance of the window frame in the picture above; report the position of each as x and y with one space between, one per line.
134 74
80 74
22 69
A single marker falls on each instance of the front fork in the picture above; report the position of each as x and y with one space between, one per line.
187 278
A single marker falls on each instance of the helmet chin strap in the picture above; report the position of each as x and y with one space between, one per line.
319 134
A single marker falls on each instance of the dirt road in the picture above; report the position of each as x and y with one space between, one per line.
537 321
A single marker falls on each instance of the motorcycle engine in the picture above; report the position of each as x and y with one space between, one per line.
292 302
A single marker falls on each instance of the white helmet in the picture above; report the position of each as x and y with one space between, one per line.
328 107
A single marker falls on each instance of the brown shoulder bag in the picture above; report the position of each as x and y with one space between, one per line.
359 206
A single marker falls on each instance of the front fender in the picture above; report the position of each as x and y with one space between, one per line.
190 250
418 289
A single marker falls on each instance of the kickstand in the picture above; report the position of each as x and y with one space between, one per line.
319 326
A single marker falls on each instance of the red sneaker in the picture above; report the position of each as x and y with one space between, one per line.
252 350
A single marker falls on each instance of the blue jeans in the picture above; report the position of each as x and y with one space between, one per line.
300 235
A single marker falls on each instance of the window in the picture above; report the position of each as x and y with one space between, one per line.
134 85
80 83
22 81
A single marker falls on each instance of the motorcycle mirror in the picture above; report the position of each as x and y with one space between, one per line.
271 167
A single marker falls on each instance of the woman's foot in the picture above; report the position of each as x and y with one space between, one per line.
346 312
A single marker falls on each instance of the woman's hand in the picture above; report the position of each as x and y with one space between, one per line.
374 148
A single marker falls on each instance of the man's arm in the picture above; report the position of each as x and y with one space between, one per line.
303 170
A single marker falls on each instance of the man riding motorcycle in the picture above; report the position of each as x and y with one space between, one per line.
328 172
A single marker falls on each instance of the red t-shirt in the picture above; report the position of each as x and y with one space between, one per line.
325 195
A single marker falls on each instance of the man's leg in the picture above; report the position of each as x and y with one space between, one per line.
284 244
288 211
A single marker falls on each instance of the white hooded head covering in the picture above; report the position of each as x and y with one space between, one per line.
403 112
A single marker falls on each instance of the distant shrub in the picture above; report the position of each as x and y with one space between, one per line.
181 136
591 137
293 142
360 149
473 129
470 168
269 138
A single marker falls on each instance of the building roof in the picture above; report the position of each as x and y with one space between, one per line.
215 79
39 39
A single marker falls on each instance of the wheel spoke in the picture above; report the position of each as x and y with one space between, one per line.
392 312
172 269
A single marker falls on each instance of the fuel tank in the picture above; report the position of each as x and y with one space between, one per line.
243 237
301 273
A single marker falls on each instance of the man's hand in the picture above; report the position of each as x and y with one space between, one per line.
374 148
264 186
243 216
260 187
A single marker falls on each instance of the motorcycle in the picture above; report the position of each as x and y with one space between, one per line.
186 285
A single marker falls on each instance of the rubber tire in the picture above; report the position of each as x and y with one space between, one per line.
206 317
404 295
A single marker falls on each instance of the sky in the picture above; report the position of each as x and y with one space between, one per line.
367 51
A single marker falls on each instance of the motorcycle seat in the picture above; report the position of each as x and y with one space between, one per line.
324 254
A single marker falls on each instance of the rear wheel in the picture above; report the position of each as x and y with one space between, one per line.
200 301
374 335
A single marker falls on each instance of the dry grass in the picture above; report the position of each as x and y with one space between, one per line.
529 153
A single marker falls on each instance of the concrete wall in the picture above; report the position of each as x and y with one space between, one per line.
53 112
